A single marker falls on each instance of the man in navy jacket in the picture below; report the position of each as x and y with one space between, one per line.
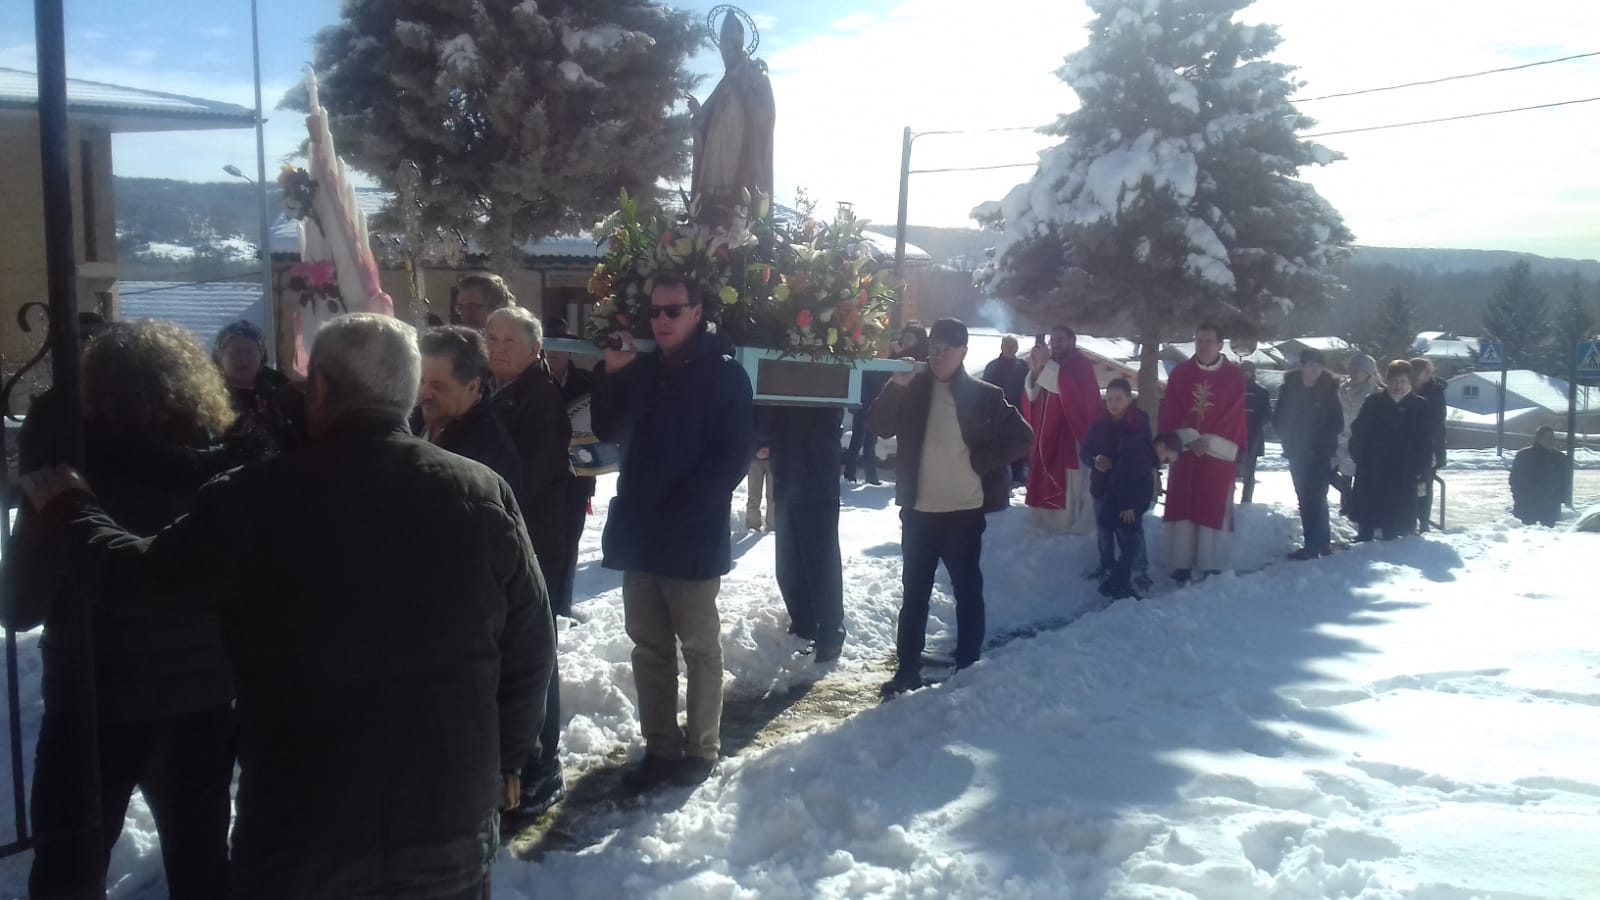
683 417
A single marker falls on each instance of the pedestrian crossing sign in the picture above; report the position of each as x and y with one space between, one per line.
1491 354
1588 359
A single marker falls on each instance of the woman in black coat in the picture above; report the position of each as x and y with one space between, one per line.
1391 442
162 689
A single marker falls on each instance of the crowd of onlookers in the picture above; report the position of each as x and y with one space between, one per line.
311 580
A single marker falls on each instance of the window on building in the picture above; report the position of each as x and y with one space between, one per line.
1469 391
91 237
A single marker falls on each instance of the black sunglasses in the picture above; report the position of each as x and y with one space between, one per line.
671 310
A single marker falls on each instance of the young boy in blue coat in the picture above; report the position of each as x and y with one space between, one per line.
1118 449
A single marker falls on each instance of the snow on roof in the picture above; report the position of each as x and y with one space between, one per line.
373 201
1528 389
201 308
130 108
1442 348
1325 344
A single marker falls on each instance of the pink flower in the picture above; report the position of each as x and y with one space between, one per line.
804 319
318 274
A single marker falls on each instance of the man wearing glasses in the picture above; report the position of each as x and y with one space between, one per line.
958 438
683 417
476 296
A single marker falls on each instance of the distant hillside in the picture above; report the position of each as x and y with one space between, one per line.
189 231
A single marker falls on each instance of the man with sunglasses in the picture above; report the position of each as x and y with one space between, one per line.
958 438
684 418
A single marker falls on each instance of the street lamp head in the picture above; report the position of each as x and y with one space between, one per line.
233 170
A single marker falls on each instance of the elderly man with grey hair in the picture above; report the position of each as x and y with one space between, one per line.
385 707
528 403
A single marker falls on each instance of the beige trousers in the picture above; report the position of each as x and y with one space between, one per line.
759 479
659 614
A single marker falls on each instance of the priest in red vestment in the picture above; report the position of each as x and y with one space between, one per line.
1205 406
1061 402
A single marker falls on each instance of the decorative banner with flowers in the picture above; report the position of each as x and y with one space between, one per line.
807 291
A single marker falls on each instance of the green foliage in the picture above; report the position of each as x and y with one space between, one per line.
1518 315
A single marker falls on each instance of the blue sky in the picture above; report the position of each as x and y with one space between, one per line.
849 74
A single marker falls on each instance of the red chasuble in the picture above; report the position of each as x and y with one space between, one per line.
1210 403
1062 411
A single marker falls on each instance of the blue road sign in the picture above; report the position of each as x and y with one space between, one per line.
1491 353
1588 359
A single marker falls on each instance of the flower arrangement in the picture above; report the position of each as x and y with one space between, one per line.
299 190
803 290
639 250
318 286
826 300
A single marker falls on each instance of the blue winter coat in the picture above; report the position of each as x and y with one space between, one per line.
685 433
1131 483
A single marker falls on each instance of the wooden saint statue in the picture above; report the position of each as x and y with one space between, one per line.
733 129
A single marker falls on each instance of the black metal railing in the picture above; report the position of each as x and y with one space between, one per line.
9 500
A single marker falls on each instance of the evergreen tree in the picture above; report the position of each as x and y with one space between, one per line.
1390 331
1518 315
1174 196
1574 324
523 119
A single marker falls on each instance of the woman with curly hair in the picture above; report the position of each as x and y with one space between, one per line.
153 409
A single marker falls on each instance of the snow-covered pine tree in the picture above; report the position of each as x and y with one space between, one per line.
1174 197
1518 315
524 119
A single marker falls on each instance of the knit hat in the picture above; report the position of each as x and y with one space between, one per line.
1312 356
241 328
1360 362
950 332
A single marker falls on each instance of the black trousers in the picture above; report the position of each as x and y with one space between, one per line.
927 539
805 481
184 767
579 490
1247 474
1425 507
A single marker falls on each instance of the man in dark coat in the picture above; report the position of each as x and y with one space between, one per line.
1308 420
1391 444
1431 388
1009 373
804 447
958 438
387 625
683 417
576 384
1540 476
863 448
455 412
1257 412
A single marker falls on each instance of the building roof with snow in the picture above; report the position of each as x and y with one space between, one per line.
1293 347
124 109
568 250
1524 390
1439 345
201 308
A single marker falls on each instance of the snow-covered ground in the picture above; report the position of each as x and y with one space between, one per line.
1406 720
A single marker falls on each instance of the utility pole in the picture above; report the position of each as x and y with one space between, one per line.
269 315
